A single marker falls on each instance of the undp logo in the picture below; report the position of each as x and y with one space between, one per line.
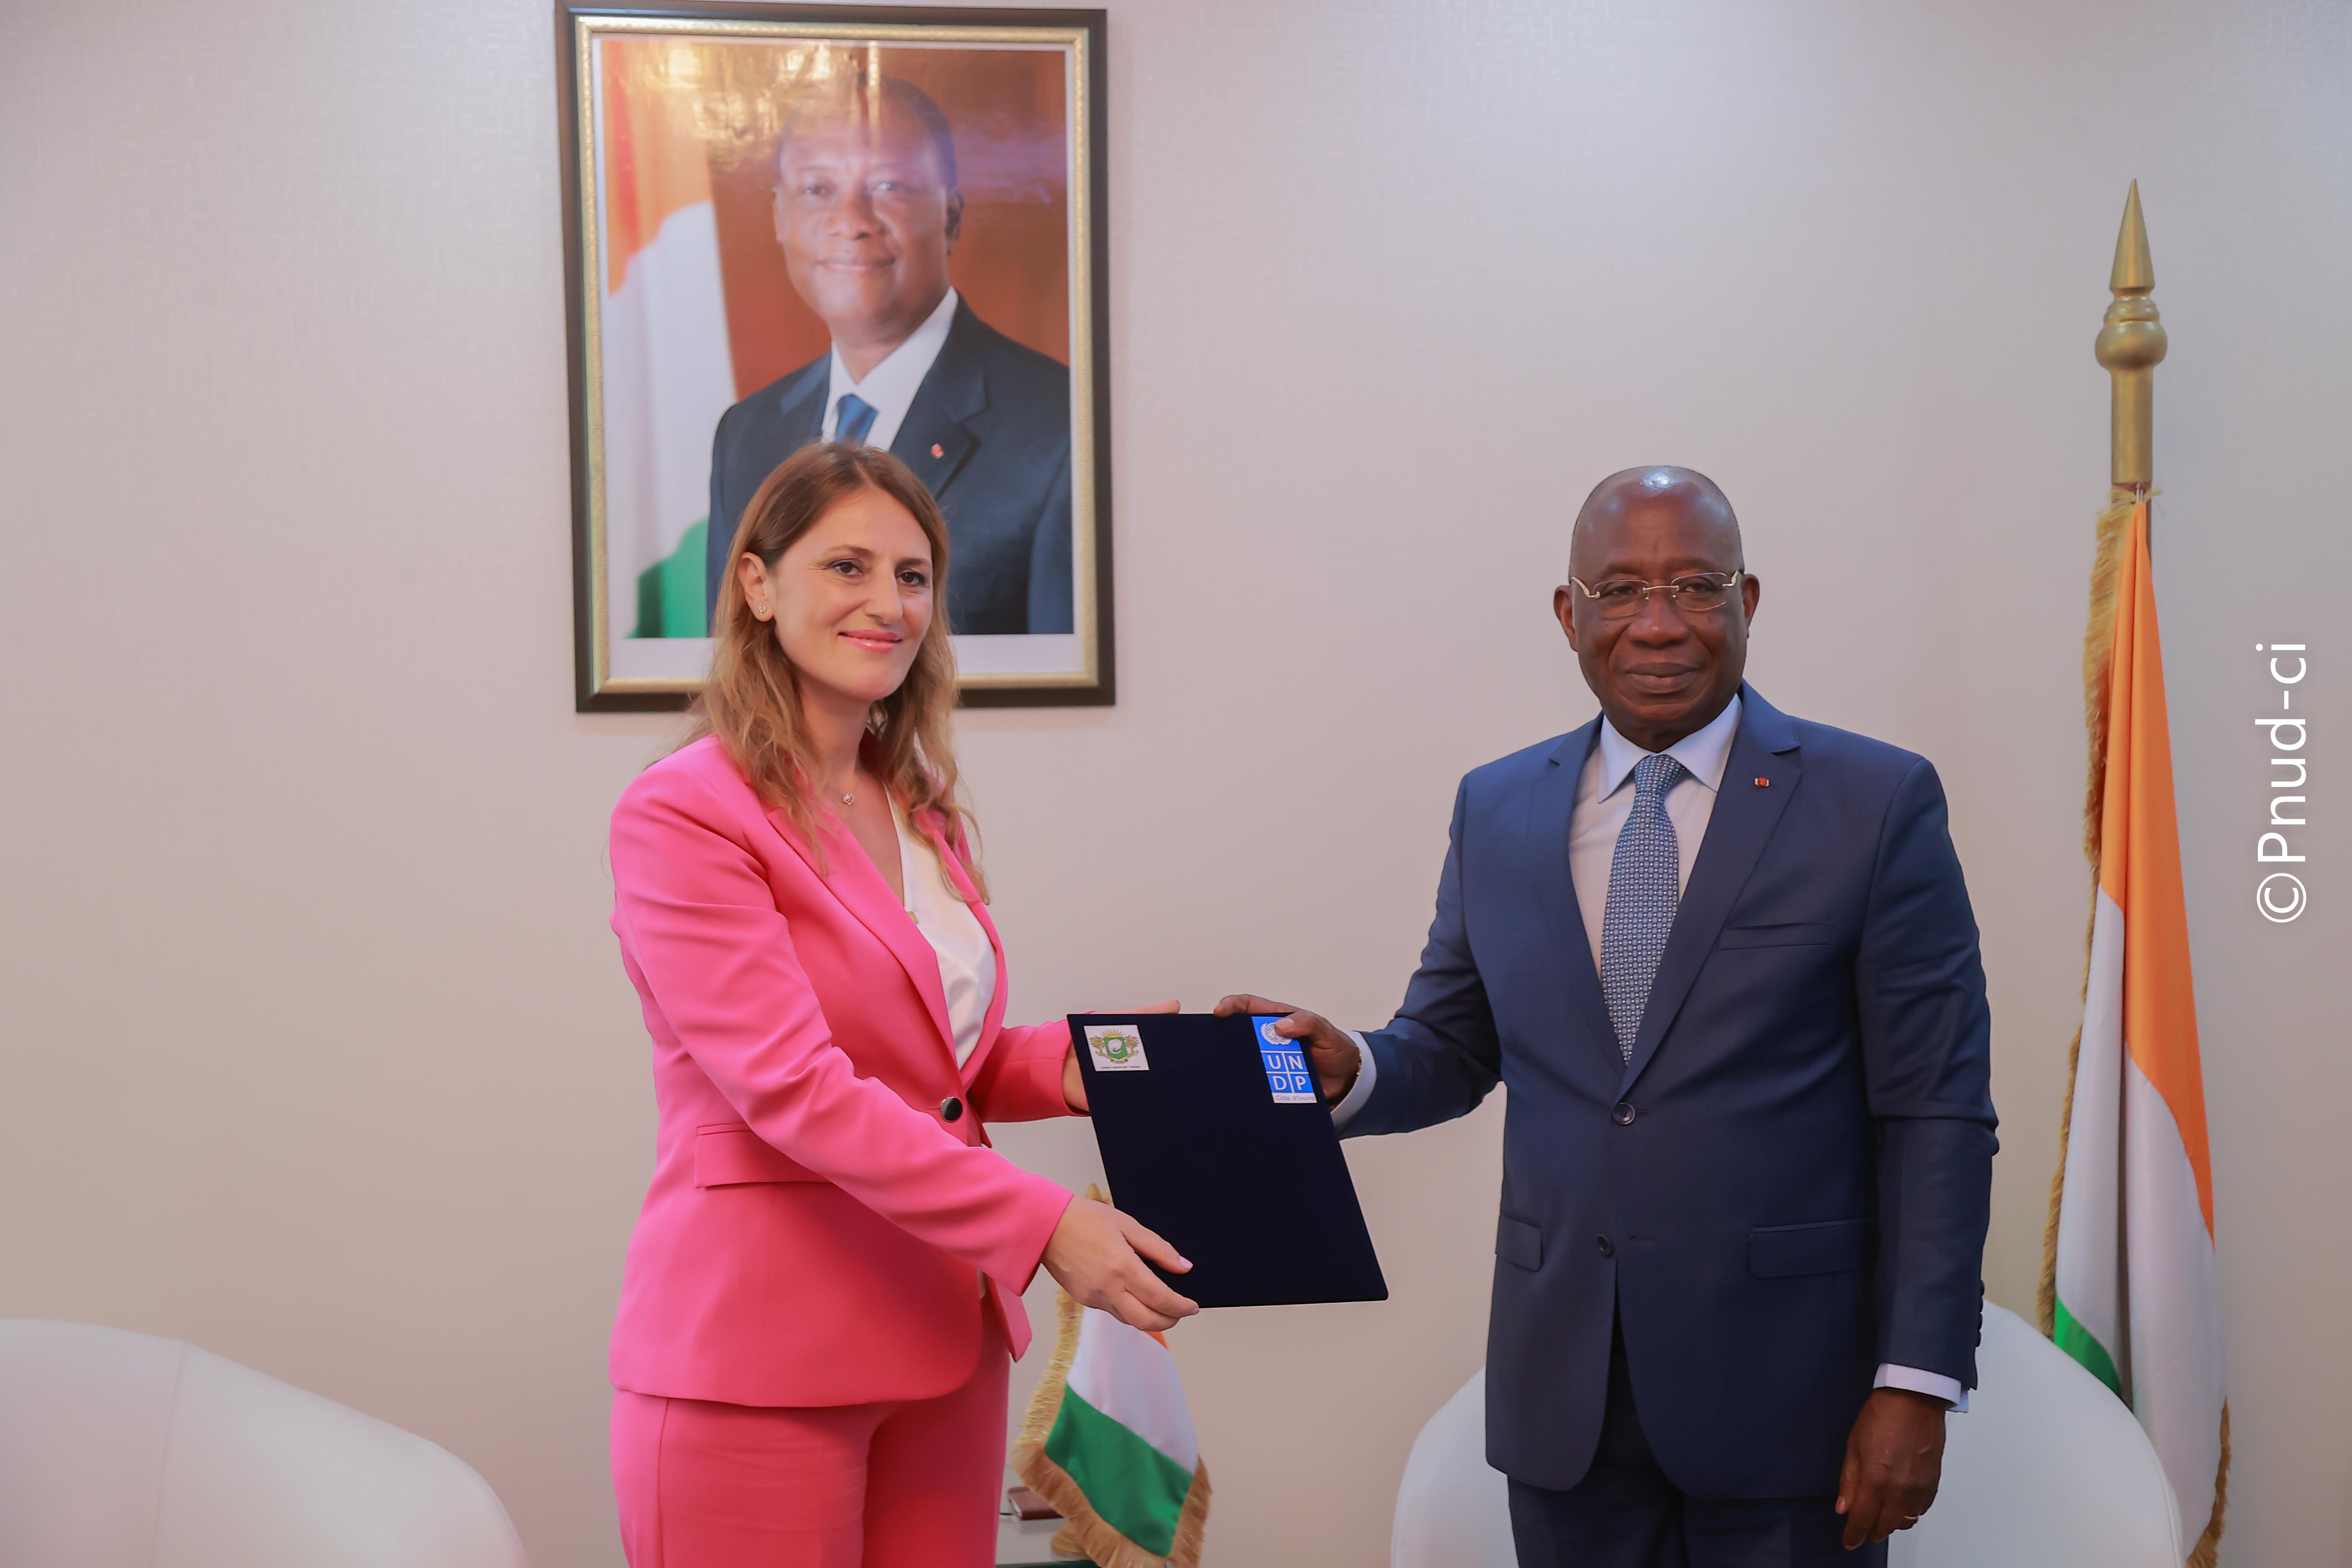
1285 1064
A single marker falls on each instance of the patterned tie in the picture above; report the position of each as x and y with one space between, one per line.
1644 886
856 417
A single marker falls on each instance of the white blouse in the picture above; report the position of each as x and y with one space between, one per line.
967 961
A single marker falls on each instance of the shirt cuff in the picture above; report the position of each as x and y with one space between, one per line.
1345 1112
1934 1384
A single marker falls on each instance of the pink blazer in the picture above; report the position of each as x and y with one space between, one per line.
818 1230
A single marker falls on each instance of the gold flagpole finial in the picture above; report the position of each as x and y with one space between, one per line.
2131 345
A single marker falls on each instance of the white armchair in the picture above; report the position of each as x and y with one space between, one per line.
1453 1509
120 1450
2047 1470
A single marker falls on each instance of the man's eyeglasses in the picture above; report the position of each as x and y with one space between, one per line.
1616 598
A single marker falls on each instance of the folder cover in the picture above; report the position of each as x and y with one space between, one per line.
1213 1134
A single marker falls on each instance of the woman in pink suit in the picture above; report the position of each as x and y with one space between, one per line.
824 1289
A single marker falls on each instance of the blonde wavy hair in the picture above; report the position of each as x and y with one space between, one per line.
751 699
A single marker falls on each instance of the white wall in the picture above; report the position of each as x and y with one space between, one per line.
316 1050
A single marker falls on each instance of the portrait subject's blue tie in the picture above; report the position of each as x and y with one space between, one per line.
1644 887
854 419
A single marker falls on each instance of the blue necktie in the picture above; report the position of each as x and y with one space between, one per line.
856 417
1644 886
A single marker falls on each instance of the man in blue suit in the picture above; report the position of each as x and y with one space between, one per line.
868 211
1725 963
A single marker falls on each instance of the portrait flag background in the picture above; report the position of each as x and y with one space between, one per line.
698 309
1109 1442
2131 1288
668 374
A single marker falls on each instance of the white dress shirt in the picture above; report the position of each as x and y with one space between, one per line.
1604 799
967 961
891 385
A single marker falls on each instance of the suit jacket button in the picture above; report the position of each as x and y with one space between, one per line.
1623 1114
950 1109
1608 1248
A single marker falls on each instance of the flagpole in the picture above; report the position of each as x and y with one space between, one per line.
2131 344
2131 1283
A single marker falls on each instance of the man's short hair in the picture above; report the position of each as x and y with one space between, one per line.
893 90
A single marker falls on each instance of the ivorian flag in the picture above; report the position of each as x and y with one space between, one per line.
1109 1442
666 367
2131 1289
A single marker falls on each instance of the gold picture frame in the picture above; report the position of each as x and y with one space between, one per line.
684 298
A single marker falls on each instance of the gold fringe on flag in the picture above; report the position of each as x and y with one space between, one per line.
1083 1530
2208 1553
2098 658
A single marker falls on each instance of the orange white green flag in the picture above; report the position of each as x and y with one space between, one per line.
2131 1286
1109 1442
666 369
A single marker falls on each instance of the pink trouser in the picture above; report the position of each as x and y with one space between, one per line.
899 1484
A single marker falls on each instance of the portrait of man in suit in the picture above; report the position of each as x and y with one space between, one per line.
868 210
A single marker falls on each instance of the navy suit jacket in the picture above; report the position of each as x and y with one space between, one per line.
998 415
1788 1183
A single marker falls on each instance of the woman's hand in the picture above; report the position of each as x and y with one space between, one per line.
1098 1254
1074 1083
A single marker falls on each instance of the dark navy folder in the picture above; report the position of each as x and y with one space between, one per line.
1213 1134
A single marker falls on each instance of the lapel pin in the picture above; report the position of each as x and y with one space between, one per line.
937 450
1763 784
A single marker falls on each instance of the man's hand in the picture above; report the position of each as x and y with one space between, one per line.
1074 1083
1331 1056
1098 1254
1894 1458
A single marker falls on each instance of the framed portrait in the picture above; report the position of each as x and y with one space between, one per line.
789 224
